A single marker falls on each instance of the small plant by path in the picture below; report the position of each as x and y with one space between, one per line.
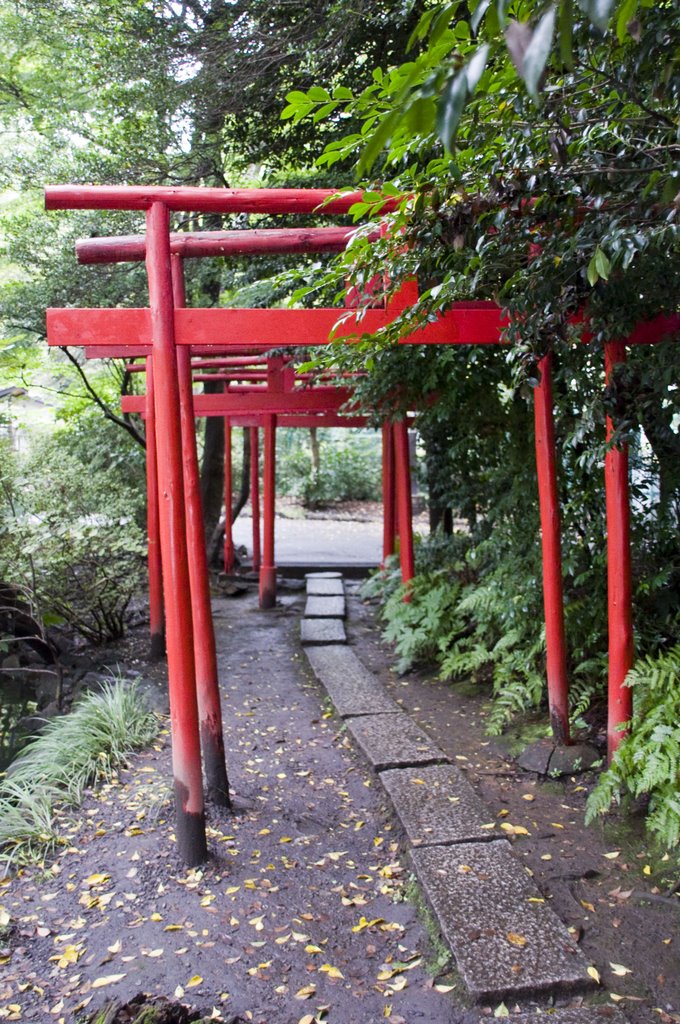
56 767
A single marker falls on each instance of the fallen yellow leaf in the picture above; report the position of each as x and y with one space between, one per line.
363 923
194 981
619 969
305 992
516 940
97 879
109 979
332 972
594 974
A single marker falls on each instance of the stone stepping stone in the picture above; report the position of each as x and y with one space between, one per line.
323 631
437 805
393 741
325 587
505 938
352 688
325 607
571 1015
323 575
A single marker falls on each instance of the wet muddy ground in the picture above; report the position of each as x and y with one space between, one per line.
306 909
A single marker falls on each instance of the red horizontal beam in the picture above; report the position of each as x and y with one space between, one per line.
303 420
649 332
255 402
124 333
202 200
465 324
191 245
134 351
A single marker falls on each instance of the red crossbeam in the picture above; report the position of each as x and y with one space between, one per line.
466 324
196 244
204 200
227 404
123 333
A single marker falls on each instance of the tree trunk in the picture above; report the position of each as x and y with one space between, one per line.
215 538
212 469
316 454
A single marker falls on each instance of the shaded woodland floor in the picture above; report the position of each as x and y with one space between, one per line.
306 909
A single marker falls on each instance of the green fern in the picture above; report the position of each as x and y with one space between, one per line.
647 762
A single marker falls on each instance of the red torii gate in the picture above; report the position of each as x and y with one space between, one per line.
167 331
242 242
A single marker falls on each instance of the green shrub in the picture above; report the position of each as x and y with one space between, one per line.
71 538
647 762
349 468
70 754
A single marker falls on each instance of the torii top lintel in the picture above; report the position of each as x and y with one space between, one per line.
205 200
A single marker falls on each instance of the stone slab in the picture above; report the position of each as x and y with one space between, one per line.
325 607
393 741
325 587
323 631
504 944
352 688
571 1015
323 576
437 805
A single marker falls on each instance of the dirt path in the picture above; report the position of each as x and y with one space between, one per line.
301 909
306 909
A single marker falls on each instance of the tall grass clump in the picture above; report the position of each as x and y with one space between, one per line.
56 767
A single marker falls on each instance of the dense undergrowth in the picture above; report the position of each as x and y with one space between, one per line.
477 616
54 769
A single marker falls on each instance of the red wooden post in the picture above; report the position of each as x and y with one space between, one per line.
268 567
553 601
404 511
388 491
186 749
228 492
255 494
619 586
156 616
207 679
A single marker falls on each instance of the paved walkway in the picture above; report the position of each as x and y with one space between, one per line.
505 939
322 542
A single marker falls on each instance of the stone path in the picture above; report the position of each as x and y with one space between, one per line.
506 940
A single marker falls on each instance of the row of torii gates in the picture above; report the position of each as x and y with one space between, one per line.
178 343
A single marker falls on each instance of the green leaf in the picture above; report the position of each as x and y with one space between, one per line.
502 10
592 272
318 94
380 138
628 8
598 11
537 52
421 29
602 263
566 33
479 12
451 107
442 22
475 68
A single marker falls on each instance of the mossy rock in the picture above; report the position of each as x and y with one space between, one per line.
144 1010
